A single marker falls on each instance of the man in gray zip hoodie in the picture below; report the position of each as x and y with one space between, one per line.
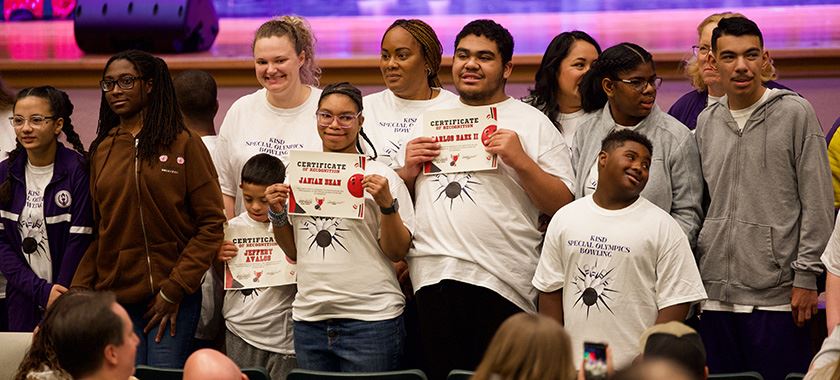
769 218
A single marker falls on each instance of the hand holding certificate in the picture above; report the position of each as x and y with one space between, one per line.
462 134
259 261
326 184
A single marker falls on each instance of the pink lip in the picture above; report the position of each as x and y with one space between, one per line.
633 180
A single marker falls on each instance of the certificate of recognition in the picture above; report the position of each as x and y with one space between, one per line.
326 184
462 134
260 262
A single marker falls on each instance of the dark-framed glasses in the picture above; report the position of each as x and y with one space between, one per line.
699 50
34 120
641 84
345 120
125 83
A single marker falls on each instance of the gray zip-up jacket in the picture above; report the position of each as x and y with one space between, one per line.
675 182
771 207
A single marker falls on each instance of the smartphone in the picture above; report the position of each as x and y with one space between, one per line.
594 361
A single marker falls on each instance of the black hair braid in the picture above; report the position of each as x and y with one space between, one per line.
367 140
69 131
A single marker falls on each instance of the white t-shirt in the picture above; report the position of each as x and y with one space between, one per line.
481 228
390 120
210 142
342 272
262 317
617 269
31 225
570 123
831 256
742 115
254 126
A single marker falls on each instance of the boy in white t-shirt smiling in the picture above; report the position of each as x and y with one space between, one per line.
259 321
624 263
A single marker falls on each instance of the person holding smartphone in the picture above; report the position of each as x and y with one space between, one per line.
613 263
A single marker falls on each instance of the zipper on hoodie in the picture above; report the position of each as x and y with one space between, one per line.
140 207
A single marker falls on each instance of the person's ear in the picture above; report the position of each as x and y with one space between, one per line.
608 86
59 124
110 353
602 159
508 69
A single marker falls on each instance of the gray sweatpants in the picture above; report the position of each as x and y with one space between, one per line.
246 355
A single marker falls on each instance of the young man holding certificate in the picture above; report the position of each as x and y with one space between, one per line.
475 246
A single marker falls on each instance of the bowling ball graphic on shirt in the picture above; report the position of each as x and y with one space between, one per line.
354 185
485 135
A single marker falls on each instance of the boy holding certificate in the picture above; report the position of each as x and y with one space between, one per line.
258 320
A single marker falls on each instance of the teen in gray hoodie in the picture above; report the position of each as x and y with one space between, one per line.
620 89
770 214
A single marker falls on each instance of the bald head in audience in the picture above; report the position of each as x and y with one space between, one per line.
207 364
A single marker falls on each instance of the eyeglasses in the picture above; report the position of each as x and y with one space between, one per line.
641 84
345 120
125 83
34 120
700 50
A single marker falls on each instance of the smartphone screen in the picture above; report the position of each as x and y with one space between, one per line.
594 361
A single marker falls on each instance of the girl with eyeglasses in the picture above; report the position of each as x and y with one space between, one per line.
566 60
348 309
704 76
273 119
157 208
621 88
45 201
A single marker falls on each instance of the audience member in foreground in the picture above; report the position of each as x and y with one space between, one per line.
677 342
528 347
613 263
207 364
85 335
769 218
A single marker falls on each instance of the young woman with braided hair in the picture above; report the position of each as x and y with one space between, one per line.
45 201
621 89
157 208
409 62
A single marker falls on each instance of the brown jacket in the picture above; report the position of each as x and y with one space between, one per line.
159 223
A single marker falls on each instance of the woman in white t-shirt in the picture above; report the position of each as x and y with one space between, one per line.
348 309
276 118
555 93
409 61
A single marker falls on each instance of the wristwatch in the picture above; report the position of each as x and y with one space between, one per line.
395 206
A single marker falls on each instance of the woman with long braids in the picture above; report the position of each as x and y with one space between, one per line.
409 62
276 118
621 88
45 201
566 60
348 309
157 208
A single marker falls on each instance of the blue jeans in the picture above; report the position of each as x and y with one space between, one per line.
349 345
171 352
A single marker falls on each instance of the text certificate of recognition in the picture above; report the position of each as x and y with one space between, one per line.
326 184
462 134
260 262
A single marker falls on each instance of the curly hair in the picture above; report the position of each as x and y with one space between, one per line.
429 42
300 33
544 94
691 68
615 60
493 32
